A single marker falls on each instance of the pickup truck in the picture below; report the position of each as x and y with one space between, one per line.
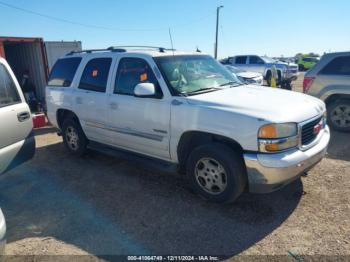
188 110
287 72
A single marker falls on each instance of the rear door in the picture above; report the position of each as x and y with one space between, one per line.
91 98
335 73
16 140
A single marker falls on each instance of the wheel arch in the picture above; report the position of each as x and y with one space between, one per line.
62 114
334 97
189 140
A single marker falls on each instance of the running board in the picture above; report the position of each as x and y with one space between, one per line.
149 162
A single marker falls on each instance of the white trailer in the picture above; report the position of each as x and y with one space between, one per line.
57 49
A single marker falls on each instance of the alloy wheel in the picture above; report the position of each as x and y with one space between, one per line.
211 176
340 116
72 138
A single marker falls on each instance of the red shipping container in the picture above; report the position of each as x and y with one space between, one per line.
39 120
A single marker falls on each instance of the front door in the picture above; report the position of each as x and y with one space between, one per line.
139 124
256 64
16 141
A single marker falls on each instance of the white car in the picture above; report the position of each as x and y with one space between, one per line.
17 143
188 110
247 77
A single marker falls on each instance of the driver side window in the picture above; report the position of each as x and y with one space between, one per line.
254 60
131 72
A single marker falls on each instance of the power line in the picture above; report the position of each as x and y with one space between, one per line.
93 26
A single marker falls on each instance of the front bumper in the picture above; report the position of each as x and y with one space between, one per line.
269 172
2 234
291 76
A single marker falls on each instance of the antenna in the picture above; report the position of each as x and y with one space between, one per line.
171 41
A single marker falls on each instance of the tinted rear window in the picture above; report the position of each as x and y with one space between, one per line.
338 66
8 89
63 72
241 60
95 75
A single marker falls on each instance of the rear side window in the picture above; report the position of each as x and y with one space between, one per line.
63 72
338 66
8 90
241 60
132 71
95 75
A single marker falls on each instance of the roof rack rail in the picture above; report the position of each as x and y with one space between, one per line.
160 49
121 49
97 50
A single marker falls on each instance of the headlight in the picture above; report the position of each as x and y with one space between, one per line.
278 137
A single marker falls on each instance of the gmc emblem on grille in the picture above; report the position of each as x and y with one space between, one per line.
317 128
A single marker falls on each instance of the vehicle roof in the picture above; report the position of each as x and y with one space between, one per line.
148 52
247 55
337 53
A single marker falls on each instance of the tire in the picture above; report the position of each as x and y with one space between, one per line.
215 165
268 78
338 115
73 137
287 85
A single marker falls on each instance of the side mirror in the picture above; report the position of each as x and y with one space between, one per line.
145 90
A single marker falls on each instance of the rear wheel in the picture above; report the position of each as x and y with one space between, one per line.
216 172
339 115
73 137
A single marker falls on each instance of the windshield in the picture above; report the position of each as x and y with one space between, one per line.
234 69
268 59
188 74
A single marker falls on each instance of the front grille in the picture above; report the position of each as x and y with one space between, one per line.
307 131
293 69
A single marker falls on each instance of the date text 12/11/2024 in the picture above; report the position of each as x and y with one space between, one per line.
173 258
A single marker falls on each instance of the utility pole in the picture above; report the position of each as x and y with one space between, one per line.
217 30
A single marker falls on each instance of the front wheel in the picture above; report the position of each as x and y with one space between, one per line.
216 172
73 137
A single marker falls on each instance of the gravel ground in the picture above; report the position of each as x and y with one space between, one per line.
58 204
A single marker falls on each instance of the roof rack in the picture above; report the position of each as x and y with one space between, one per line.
121 49
97 50
160 49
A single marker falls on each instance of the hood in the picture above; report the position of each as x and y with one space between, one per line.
249 74
271 104
286 64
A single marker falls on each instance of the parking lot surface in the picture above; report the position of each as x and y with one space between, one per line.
103 205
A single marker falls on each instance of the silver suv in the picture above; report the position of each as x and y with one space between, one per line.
17 143
329 80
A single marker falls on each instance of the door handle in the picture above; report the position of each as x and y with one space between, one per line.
114 106
79 100
23 116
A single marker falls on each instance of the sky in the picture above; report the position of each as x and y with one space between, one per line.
263 27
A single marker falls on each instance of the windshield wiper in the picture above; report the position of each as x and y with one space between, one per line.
231 83
204 90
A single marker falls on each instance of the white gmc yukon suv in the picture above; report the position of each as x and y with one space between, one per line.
188 110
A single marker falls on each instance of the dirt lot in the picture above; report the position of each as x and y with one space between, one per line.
102 205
